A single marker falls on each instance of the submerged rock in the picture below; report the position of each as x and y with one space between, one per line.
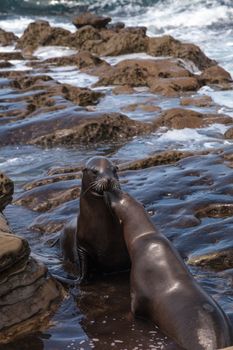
218 261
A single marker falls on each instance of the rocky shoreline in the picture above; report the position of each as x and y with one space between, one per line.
187 193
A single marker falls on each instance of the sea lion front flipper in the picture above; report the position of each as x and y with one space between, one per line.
83 265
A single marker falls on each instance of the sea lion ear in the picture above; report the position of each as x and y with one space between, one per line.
83 169
116 167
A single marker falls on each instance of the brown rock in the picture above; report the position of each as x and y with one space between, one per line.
12 250
215 75
124 89
218 261
40 33
178 118
121 43
144 107
5 64
199 101
7 38
49 196
14 55
106 127
80 96
83 38
28 295
229 133
166 157
6 191
174 86
168 46
142 72
82 60
88 18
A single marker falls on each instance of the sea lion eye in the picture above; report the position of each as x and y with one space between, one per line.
94 171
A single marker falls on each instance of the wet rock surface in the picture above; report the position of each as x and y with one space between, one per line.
28 294
7 38
92 20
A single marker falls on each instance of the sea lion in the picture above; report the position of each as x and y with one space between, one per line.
95 241
162 288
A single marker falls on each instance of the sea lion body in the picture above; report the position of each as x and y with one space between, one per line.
96 240
162 288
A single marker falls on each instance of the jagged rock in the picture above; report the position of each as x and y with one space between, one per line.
179 118
104 128
215 75
88 18
142 72
40 33
168 46
229 134
7 38
84 36
6 191
28 295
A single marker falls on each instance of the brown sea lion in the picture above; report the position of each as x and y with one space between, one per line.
162 288
96 239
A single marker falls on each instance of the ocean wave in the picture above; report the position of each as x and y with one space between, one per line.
165 12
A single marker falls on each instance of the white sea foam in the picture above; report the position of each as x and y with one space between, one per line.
71 75
45 52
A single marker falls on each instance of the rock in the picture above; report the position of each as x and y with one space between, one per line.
14 55
168 46
116 26
80 96
85 38
121 43
142 72
40 33
5 64
178 118
73 128
199 101
106 127
123 89
7 38
6 191
82 60
174 86
145 107
88 18
229 133
165 157
215 75
28 295
49 196
218 261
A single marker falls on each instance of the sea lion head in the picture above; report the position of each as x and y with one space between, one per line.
118 202
99 175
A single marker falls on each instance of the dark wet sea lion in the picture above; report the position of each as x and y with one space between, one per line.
96 239
162 288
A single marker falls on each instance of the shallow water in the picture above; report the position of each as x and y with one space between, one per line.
97 315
